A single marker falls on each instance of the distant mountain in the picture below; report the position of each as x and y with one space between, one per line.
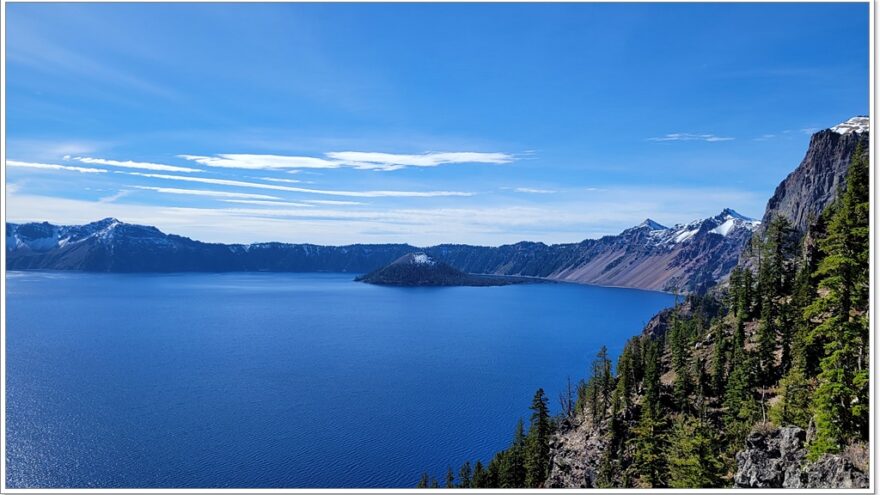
685 257
648 256
420 269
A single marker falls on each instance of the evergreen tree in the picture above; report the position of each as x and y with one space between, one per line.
693 460
793 406
423 481
538 456
450 478
740 407
651 380
480 477
513 464
719 360
649 443
464 475
840 403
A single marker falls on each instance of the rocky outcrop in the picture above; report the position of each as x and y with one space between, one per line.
777 459
575 451
815 183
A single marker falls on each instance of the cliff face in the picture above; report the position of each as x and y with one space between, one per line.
815 183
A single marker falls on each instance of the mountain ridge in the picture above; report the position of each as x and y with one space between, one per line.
109 245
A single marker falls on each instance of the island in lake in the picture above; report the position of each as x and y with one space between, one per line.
421 270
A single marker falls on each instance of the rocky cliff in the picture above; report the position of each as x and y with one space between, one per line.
815 183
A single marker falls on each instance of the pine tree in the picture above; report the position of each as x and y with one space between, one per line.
651 380
514 468
480 477
464 475
450 478
740 407
649 443
538 446
719 360
840 402
793 405
423 481
693 460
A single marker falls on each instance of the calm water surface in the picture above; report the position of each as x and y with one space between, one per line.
284 380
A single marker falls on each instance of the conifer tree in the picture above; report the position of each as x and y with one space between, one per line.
464 475
649 444
840 402
480 477
450 478
719 360
423 481
693 460
538 447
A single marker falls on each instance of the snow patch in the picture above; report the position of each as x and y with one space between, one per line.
422 259
858 125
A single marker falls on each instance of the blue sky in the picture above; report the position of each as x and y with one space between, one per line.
420 123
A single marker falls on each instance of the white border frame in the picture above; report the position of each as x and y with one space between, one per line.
873 265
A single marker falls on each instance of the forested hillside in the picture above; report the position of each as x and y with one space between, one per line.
779 355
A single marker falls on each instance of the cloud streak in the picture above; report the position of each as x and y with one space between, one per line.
359 160
276 187
202 192
531 190
686 136
52 166
279 204
131 164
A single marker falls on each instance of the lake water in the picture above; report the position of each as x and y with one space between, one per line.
284 380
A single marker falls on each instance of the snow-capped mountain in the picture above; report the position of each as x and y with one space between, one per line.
725 223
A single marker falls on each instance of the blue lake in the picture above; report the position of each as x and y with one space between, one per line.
284 380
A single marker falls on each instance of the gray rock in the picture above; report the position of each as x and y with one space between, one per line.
814 184
777 459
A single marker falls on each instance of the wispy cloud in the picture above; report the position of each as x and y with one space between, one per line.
52 166
531 190
202 192
351 159
131 164
765 137
113 197
273 179
276 187
686 136
279 204
332 202
390 161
